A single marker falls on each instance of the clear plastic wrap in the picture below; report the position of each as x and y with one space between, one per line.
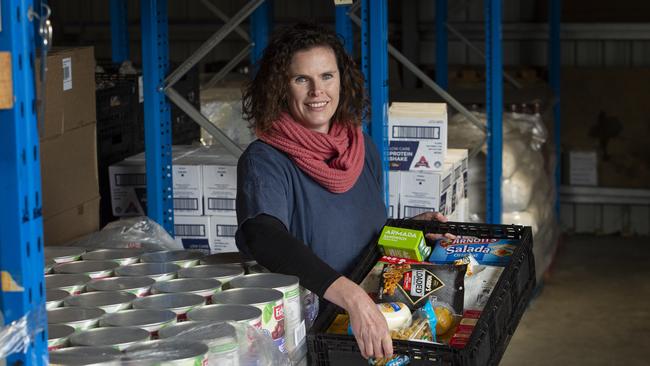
16 336
134 232
223 107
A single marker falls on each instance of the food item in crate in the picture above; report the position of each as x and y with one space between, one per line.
465 328
397 314
403 243
413 282
419 330
486 251
444 318
479 282
397 360
340 324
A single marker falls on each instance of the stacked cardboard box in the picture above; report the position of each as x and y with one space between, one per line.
204 191
425 175
68 146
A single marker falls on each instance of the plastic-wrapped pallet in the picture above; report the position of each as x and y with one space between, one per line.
527 189
223 107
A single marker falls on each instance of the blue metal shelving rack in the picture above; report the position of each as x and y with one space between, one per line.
22 288
119 31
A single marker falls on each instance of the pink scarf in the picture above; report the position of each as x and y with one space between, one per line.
334 160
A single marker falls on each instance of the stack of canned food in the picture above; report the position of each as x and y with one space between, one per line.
126 304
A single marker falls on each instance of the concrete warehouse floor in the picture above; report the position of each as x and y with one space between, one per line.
594 309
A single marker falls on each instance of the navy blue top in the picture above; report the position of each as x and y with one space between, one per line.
336 226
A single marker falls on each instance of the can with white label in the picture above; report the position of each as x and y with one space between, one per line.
63 254
78 318
183 258
205 287
156 271
223 273
221 338
109 301
122 256
54 298
93 269
72 283
293 319
179 303
117 337
151 320
57 336
245 314
78 356
139 286
268 300
167 353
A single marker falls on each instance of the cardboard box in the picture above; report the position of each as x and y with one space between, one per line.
128 183
426 191
393 194
69 90
403 243
219 189
69 170
193 232
583 168
417 136
71 224
188 187
222 231
458 159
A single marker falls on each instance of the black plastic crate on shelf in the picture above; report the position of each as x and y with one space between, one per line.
492 333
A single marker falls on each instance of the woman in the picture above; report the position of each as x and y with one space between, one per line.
310 195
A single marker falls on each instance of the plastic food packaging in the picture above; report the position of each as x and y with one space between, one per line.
397 314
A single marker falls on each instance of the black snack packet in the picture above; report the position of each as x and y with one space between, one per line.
413 282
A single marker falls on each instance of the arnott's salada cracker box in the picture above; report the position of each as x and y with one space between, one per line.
492 252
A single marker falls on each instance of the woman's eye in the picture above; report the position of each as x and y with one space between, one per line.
327 76
301 79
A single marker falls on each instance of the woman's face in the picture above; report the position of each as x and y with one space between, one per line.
314 86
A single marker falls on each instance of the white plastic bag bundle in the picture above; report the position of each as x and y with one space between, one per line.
523 218
135 232
517 190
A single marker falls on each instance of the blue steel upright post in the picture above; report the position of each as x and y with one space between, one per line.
22 286
260 28
119 31
378 80
554 69
158 138
494 103
344 28
442 62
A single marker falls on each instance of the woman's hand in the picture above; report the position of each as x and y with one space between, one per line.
437 216
368 324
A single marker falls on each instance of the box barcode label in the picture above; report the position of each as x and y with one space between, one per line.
130 179
67 73
410 211
299 333
188 204
221 204
189 230
226 230
416 132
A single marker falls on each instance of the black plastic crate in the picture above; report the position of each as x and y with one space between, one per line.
492 333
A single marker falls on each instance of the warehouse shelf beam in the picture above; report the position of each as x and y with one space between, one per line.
494 104
119 31
22 290
554 69
260 29
224 18
157 120
442 61
229 66
344 27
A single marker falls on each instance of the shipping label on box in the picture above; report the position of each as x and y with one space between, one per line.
222 232
193 232
188 188
393 194
128 183
219 189
417 136
425 191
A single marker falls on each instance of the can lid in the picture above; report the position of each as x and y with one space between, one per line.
200 331
65 280
170 256
227 258
264 280
168 301
78 356
165 350
212 271
147 269
73 314
85 267
110 336
57 331
138 317
248 296
52 252
120 283
101 298
186 285
225 312
111 254
56 294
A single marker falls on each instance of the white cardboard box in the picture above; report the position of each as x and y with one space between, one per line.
583 168
393 194
193 232
222 234
417 136
219 185
426 191
128 183
188 187
458 159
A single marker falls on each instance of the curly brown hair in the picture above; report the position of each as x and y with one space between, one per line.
265 97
